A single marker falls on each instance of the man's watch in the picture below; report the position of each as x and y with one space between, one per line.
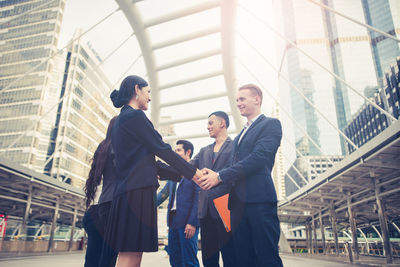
219 178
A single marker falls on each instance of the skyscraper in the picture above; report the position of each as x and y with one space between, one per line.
54 108
383 15
82 116
368 122
337 44
278 171
29 32
307 169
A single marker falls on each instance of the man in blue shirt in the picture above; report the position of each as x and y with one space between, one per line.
182 214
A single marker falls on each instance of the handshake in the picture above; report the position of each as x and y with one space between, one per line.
206 178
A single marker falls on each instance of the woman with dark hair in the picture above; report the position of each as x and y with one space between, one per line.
95 218
133 217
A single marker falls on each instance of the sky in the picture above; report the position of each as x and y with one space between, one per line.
108 35
256 47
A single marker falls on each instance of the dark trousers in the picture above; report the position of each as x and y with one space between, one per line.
256 231
214 238
95 240
182 251
94 222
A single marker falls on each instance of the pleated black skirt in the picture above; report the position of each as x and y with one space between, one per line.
132 225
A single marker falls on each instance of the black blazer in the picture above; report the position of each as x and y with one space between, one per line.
204 160
136 143
109 178
252 162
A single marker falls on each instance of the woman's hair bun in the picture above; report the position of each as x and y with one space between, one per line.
116 99
127 90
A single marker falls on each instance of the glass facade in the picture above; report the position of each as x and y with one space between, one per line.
342 47
26 42
83 116
62 142
384 15
278 171
358 56
368 122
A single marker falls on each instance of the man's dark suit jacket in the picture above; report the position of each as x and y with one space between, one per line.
186 203
135 143
204 160
252 162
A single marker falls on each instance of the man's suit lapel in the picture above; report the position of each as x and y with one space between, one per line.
173 191
251 127
236 140
208 154
224 145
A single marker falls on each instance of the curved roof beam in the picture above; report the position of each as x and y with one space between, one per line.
182 13
200 77
228 16
228 19
179 62
134 18
188 37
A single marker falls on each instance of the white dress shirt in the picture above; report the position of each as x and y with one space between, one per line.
176 194
247 126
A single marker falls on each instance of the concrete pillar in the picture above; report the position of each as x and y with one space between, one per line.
27 209
71 239
349 252
308 238
334 228
315 242
50 247
2 225
353 227
322 227
383 223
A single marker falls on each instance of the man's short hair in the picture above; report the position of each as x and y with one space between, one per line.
186 146
222 115
254 88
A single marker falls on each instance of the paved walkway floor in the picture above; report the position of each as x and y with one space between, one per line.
159 259
342 259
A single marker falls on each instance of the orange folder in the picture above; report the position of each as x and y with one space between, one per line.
221 204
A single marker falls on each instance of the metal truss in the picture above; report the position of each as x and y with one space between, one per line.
28 196
226 28
366 180
334 75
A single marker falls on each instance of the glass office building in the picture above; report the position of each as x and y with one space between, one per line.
368 122
352 52
307 169
383 15
278 171
83 115
339 45
26 43
54 106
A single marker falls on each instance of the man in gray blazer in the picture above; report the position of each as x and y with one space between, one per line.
216 156
252 199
